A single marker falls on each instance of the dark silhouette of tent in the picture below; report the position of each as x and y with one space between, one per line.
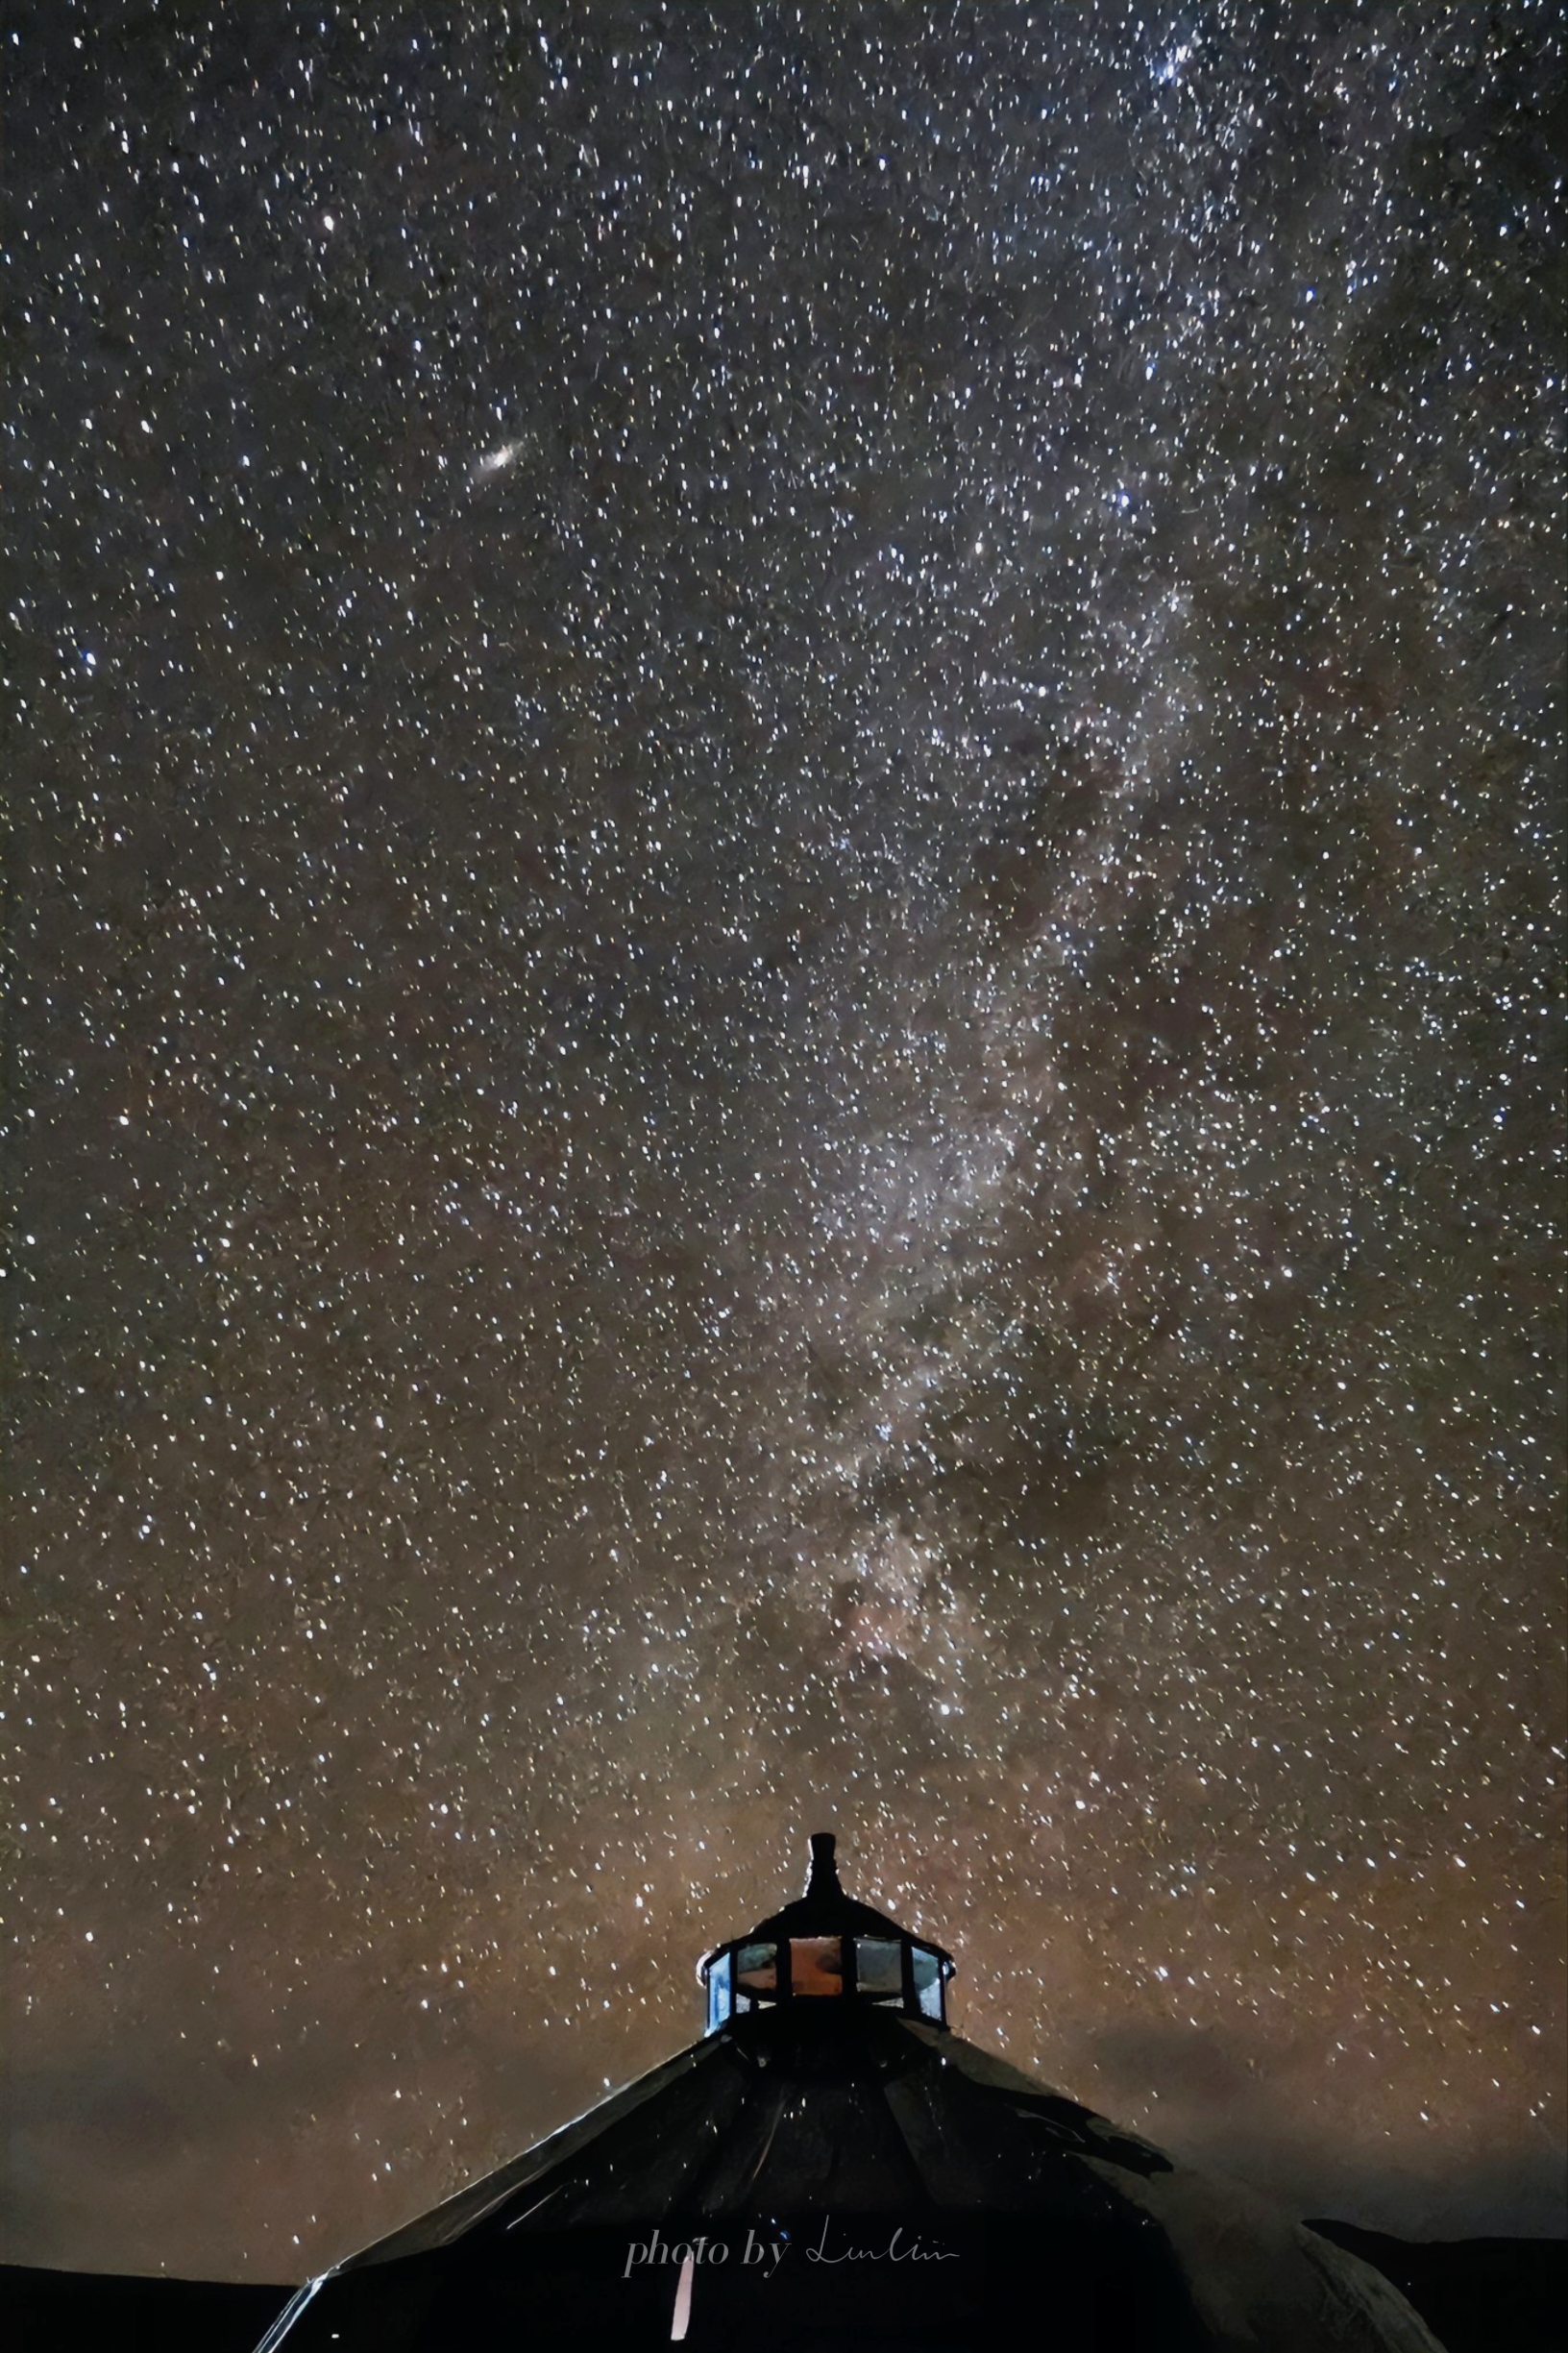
831 2166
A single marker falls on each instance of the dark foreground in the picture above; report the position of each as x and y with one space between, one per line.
1480 2295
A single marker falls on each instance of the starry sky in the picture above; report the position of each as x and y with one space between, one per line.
782 1058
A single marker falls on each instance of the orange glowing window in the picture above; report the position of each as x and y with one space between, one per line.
816 1964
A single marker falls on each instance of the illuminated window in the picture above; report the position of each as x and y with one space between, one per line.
880 1968
816 1964
927 1983
719 1991
756 1968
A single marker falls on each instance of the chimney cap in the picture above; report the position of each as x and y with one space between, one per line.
825 1909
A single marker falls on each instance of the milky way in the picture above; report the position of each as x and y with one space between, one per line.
782 1059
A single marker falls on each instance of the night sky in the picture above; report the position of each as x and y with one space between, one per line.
781 1060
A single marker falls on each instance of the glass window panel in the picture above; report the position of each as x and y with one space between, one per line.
880 1967
816 1964
756 1967
719 1991
928 1983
